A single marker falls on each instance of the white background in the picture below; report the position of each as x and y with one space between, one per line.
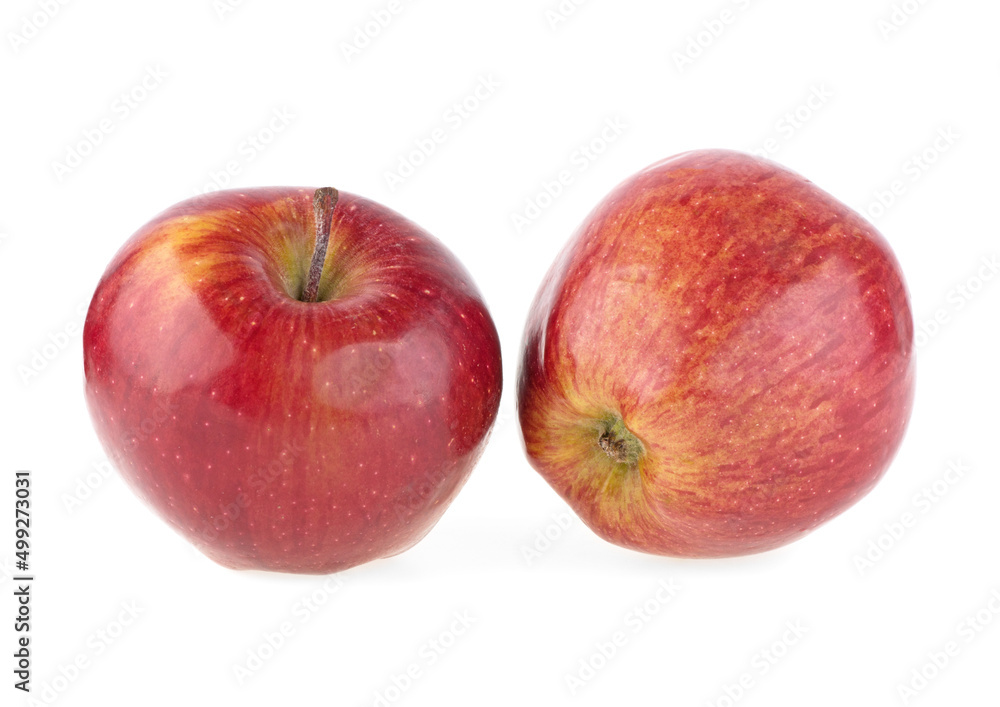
882 95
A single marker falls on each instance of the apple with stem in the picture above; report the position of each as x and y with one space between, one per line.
719 361
295 379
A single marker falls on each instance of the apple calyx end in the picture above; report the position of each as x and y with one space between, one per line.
619 443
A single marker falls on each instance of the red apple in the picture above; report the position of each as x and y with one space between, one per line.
282 434
719 361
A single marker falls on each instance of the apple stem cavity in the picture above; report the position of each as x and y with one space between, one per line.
324 202
619 443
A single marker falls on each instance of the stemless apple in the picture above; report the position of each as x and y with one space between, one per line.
719 361
294 379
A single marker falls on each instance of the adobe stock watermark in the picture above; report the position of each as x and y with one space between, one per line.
561 12
272 641
90 482
121 109
926 329
56 342
794 119
258 481
224 8
420 492
452 119
164 410
247 150
939 659
760 665
427 655
912 171
546 537
922 502
580 160
96 644
6 571
899 14
86 485
366 32
712 29
31 25
609 648
506 416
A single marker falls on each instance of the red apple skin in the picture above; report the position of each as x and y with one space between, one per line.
277 434
752 332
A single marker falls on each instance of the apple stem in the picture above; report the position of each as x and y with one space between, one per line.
619 443
324 202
